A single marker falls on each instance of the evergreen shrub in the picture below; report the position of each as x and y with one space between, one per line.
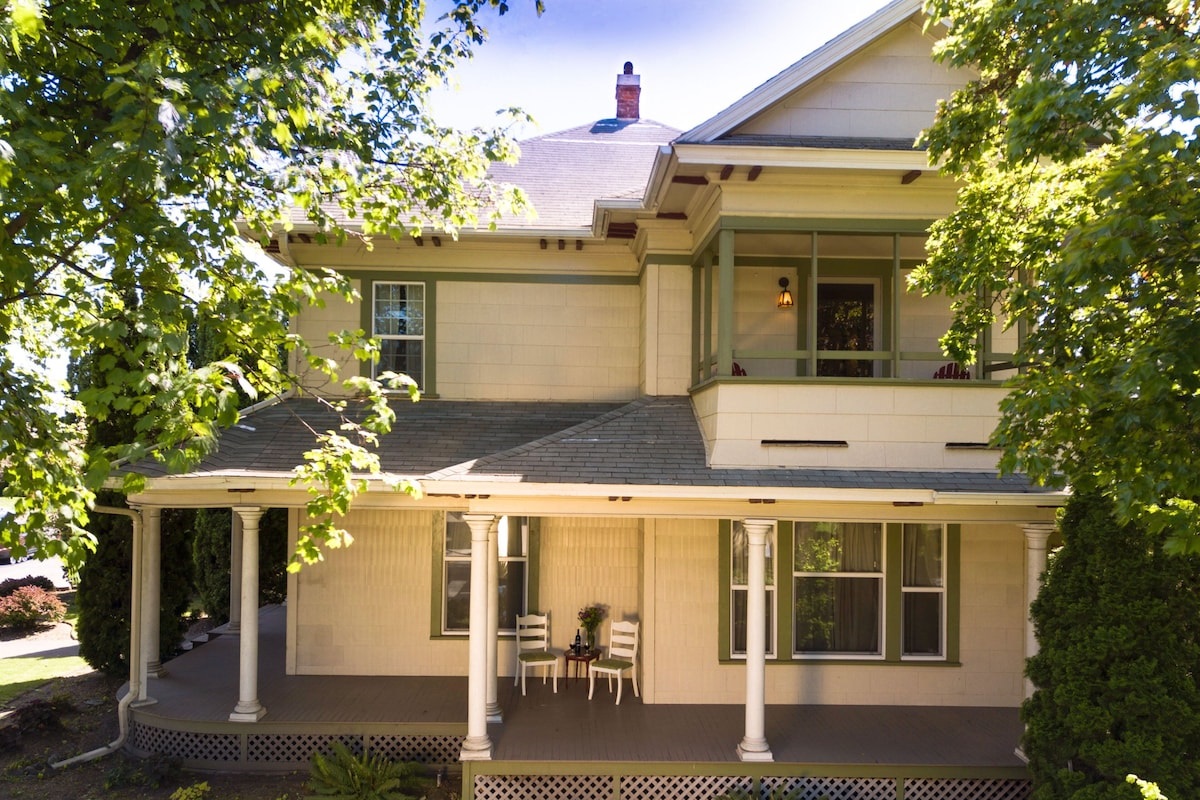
1117 675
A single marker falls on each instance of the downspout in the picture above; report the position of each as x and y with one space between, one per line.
135 643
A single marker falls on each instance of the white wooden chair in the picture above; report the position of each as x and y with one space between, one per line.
533 640
622 655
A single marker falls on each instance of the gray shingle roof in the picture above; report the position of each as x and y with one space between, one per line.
649 442
564 173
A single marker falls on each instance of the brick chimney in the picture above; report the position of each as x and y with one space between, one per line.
629 90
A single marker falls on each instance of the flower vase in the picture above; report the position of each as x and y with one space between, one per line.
590 633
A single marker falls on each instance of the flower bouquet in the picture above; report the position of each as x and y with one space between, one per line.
590 618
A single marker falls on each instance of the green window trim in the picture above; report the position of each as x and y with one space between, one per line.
437 598
892 644
366 369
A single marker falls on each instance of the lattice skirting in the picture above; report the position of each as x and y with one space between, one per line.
720 787
260 752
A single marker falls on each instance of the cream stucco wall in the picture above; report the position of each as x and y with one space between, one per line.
537 341
884 425
889 89
685 646
666 318
586 560
365 610
314 326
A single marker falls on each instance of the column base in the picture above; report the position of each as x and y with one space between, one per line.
155 669
247 715
479 750
495 713
754 751
145 701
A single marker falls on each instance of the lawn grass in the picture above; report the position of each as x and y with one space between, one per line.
19 674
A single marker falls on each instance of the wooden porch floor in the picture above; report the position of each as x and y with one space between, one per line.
201 688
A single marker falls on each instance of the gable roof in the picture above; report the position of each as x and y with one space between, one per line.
566 172
806 70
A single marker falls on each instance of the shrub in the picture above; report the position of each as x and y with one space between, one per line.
1116 683
346 776
12 584
30 606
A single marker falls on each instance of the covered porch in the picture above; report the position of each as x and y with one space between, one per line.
562 736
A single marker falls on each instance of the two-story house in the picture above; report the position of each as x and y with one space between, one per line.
693 389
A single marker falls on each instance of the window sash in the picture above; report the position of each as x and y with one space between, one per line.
923 591
739 589
398 321
513 573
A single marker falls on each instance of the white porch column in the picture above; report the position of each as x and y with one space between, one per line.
1036 535
477 746
494 713
754 745
235 575
151 558
248 709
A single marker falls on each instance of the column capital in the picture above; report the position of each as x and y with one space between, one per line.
249 513
1036 533
758 526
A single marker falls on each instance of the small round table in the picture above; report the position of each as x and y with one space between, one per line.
571 657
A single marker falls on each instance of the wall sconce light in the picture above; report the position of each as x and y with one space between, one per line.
785 296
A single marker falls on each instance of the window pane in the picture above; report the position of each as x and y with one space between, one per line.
738 630
402 355
740 545
512 593
458 536
838 547
458 595
922 555
922 623
399 309
512 536
837 615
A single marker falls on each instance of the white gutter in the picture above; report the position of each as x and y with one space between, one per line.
135 643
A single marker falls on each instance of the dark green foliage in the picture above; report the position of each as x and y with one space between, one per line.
273 555
345 776
178 586
210 557
1118 625
103 594
12 584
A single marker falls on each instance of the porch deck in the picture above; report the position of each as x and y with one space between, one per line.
201 688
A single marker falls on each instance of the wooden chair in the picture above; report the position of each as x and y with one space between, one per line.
622 655
533 648
952 372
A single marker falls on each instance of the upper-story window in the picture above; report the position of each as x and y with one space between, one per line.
398 322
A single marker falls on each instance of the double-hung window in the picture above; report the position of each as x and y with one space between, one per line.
512 537
838 574
847 591
398 322
923 591
739 587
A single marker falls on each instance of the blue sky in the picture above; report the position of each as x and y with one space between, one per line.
695 57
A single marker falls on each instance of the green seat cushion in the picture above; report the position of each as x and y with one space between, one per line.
612 663
538 656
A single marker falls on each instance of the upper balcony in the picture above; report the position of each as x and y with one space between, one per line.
809 350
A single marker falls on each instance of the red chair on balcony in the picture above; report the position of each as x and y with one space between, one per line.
952 372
